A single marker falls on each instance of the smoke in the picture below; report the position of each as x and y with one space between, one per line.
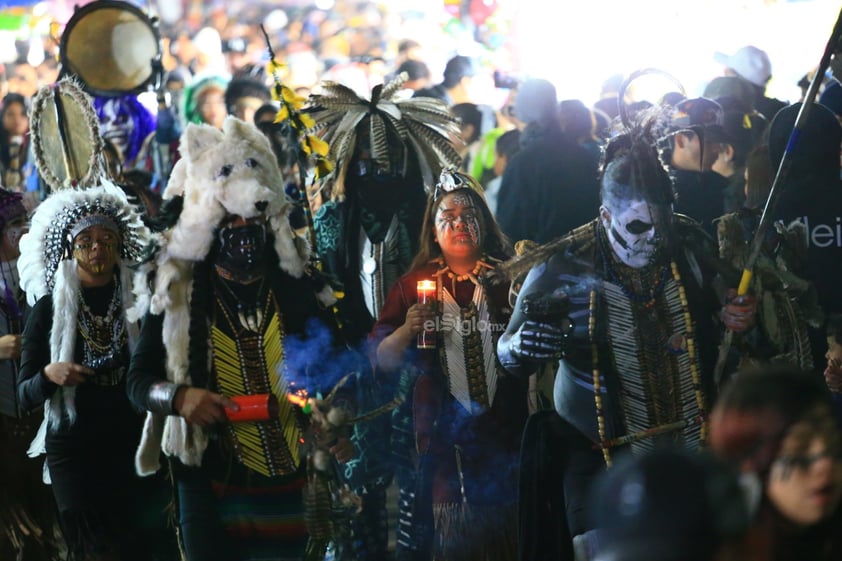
317 360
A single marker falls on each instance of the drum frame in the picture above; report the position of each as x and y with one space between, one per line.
156 69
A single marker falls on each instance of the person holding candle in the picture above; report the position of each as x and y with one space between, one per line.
457 486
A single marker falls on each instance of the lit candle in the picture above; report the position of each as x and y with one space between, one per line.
426 291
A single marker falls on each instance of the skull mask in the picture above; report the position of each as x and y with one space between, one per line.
633 233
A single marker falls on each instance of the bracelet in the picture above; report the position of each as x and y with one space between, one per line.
161 396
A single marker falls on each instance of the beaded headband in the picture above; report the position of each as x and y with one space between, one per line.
92 220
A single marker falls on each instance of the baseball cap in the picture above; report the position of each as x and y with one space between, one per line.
696 112
748 62
731 86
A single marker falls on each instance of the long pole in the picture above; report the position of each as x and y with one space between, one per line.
774 193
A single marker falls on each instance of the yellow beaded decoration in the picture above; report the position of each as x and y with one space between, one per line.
597 386
692 356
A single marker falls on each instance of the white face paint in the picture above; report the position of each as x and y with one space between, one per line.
114 127
632 233
458 228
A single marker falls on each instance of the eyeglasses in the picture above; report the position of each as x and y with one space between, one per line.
805 462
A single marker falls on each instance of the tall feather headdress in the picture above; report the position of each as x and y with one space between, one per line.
423 126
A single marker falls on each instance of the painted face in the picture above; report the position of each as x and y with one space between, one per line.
458 225
242 245
805 482
115 125
632 233
96 250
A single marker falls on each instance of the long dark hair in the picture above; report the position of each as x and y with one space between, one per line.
494 242
11 99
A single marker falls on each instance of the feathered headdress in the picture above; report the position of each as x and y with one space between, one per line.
50 237
421 125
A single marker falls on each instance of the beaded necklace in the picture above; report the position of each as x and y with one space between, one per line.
250 316
474 275
104 337
604 443
646 298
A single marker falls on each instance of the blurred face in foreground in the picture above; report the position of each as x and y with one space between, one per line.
805 479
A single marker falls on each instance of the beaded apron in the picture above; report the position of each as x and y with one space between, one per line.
469 348
654 353
249 363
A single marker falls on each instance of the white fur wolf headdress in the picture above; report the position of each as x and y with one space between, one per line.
228 172
46 266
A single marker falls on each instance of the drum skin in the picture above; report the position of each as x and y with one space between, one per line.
110 47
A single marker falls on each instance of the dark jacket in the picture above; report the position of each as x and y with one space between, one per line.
548 188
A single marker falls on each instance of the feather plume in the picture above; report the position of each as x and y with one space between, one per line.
379 141
393 87
424 126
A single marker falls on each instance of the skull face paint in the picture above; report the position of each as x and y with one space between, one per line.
458 226
96 250
632 233
116 126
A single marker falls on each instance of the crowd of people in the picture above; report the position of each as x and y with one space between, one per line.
330 320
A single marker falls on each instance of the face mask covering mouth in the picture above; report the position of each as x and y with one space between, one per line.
241 248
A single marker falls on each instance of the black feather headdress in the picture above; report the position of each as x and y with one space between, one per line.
387 128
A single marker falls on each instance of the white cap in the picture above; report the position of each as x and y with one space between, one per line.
750 63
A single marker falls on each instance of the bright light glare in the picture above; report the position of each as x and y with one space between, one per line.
324 4
35 56
578 44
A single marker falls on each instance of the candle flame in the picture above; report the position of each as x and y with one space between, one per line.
425 285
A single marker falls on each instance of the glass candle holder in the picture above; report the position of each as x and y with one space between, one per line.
426 290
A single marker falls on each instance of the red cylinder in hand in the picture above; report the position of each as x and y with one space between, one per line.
258 407
426 292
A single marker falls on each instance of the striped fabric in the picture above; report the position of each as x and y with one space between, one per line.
263 516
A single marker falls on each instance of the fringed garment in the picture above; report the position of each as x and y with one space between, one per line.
467 416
